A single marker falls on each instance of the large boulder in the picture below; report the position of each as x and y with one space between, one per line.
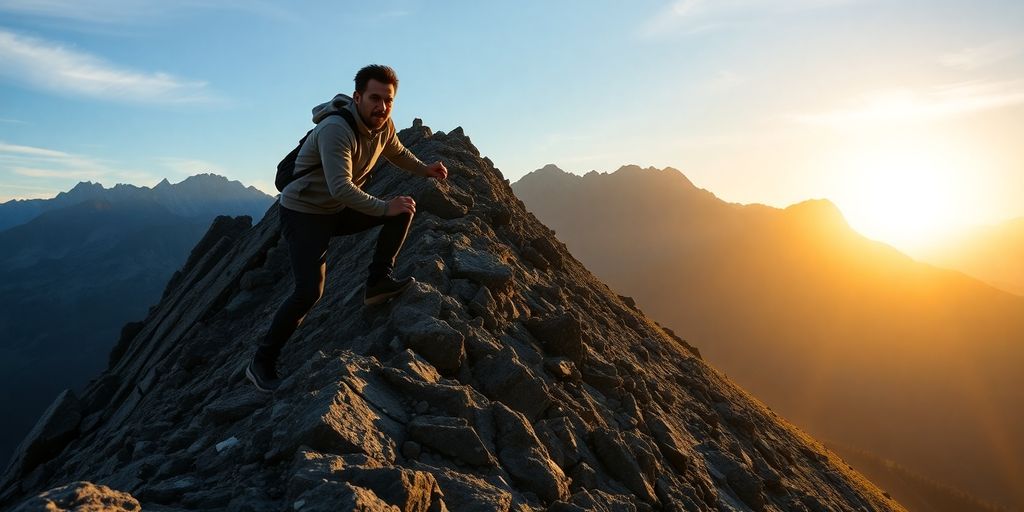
525 458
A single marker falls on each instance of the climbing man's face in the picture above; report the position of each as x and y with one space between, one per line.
374 104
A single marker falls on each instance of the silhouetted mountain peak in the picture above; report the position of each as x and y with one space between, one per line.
507 378
549 173
83 190
668 174
821 211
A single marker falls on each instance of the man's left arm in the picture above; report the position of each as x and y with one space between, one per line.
399 155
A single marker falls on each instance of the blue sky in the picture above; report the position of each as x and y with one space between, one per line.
864 102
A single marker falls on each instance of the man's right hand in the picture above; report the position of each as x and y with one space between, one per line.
400 205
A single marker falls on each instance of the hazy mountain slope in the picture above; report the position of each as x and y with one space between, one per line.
72 276
994 254
847 337
508 378
913 491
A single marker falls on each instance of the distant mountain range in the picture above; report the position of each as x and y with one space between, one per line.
83 264
848 337
994 254
202 195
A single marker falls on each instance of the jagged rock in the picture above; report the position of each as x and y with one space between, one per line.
215 243
549 251
256 278
619 460
451 436
670 442
560 440
504 378
453 399
334 496
562 335
469 493
600 501
583 477
432 338
562 368
338 420
411 491
128 333
311 468
233 406
481 267
81 496
534 256
604 377
484 306
435 200
53 431
170 490
525 458
415 366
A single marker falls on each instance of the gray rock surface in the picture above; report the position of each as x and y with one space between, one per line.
449 397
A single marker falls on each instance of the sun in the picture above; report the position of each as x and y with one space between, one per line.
907 195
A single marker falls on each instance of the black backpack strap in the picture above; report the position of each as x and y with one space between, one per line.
345 114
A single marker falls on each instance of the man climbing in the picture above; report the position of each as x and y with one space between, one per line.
320 205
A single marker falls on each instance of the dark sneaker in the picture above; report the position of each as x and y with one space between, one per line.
385 288
262 374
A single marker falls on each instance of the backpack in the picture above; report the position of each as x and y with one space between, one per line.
286 169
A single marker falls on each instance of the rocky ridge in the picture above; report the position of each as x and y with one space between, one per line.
508 378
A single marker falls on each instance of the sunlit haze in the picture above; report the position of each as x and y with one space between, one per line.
905 114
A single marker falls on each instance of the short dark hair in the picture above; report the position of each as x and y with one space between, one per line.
381 73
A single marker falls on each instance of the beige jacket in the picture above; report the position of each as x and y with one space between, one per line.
346 163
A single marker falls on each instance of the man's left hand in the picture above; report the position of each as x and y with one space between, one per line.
437 170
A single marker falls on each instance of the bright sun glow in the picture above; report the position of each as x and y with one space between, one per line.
907 196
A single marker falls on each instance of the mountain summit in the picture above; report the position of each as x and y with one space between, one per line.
508 378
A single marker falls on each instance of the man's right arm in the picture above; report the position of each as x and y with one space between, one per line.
336 142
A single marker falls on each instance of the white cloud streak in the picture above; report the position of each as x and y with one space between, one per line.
53 166
57 69
39 162
910 105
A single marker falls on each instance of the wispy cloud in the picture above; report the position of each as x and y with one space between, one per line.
5 120
50 164
975 57
916 105
14 149
695 16
55 68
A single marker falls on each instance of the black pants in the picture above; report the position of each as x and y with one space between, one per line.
308 236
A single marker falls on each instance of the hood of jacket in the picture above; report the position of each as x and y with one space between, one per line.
339 102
